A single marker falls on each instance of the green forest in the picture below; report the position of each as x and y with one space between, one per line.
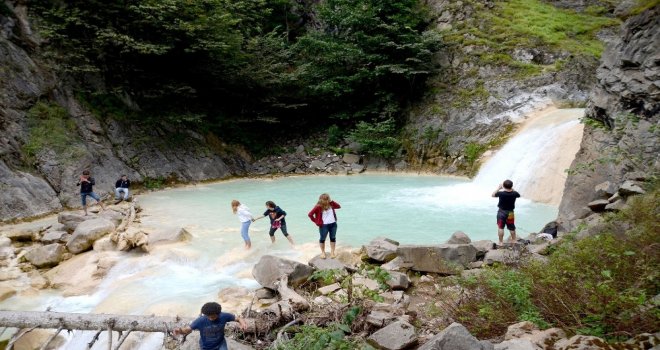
243 69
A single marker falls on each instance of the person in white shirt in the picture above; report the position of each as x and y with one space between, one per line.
245 217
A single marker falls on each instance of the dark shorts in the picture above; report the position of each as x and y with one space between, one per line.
505 217
272 230
83 197
328 228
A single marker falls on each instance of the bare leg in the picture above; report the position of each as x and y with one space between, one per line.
500 234
248 245
332 250
290 240
513 235
85 209
322 246
272 239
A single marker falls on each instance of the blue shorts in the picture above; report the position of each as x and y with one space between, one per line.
328 228
83 197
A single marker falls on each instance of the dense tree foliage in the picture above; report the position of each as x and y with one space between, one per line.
237 65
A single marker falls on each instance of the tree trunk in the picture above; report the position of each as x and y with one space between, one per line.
55 320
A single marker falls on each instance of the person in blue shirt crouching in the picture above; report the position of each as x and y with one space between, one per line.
211 327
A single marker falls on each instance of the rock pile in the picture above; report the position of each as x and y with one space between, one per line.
302 162
389 322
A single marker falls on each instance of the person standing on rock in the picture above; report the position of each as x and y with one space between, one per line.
211 327
507 202
246 218
276 215
86 184
324 216
121 186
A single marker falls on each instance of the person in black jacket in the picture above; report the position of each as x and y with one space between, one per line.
121 186
86 184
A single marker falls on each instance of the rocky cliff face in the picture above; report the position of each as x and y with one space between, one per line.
621 134
37 178
476 101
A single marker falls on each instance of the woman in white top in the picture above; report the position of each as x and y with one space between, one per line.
245 218
324 216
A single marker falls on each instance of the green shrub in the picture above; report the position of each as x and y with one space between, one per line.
473 151
51 128
309 337
335 135
602 285
377 138
153 183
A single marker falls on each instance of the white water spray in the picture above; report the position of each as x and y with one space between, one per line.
537 157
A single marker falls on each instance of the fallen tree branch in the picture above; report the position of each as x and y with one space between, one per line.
88 322
50 339
18 336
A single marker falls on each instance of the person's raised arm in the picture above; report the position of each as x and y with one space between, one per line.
499 187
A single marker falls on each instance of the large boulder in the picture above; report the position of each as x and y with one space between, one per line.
87 232
23 235
55 237
397 335
270 269
112 215
483 247
326 264
381 249
517 344
459 237
630 188
71 220
455 337
443 258
177 234
45 256
529 331
502 256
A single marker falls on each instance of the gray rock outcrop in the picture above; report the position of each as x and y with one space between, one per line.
624 110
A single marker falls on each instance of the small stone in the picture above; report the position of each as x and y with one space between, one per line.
329 289
459 237
397 335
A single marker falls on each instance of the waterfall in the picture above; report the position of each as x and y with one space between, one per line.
535 159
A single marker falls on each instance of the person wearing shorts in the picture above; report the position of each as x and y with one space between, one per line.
86 184
506 204
324 216
277 221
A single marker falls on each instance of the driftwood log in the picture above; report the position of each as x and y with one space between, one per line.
89 322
